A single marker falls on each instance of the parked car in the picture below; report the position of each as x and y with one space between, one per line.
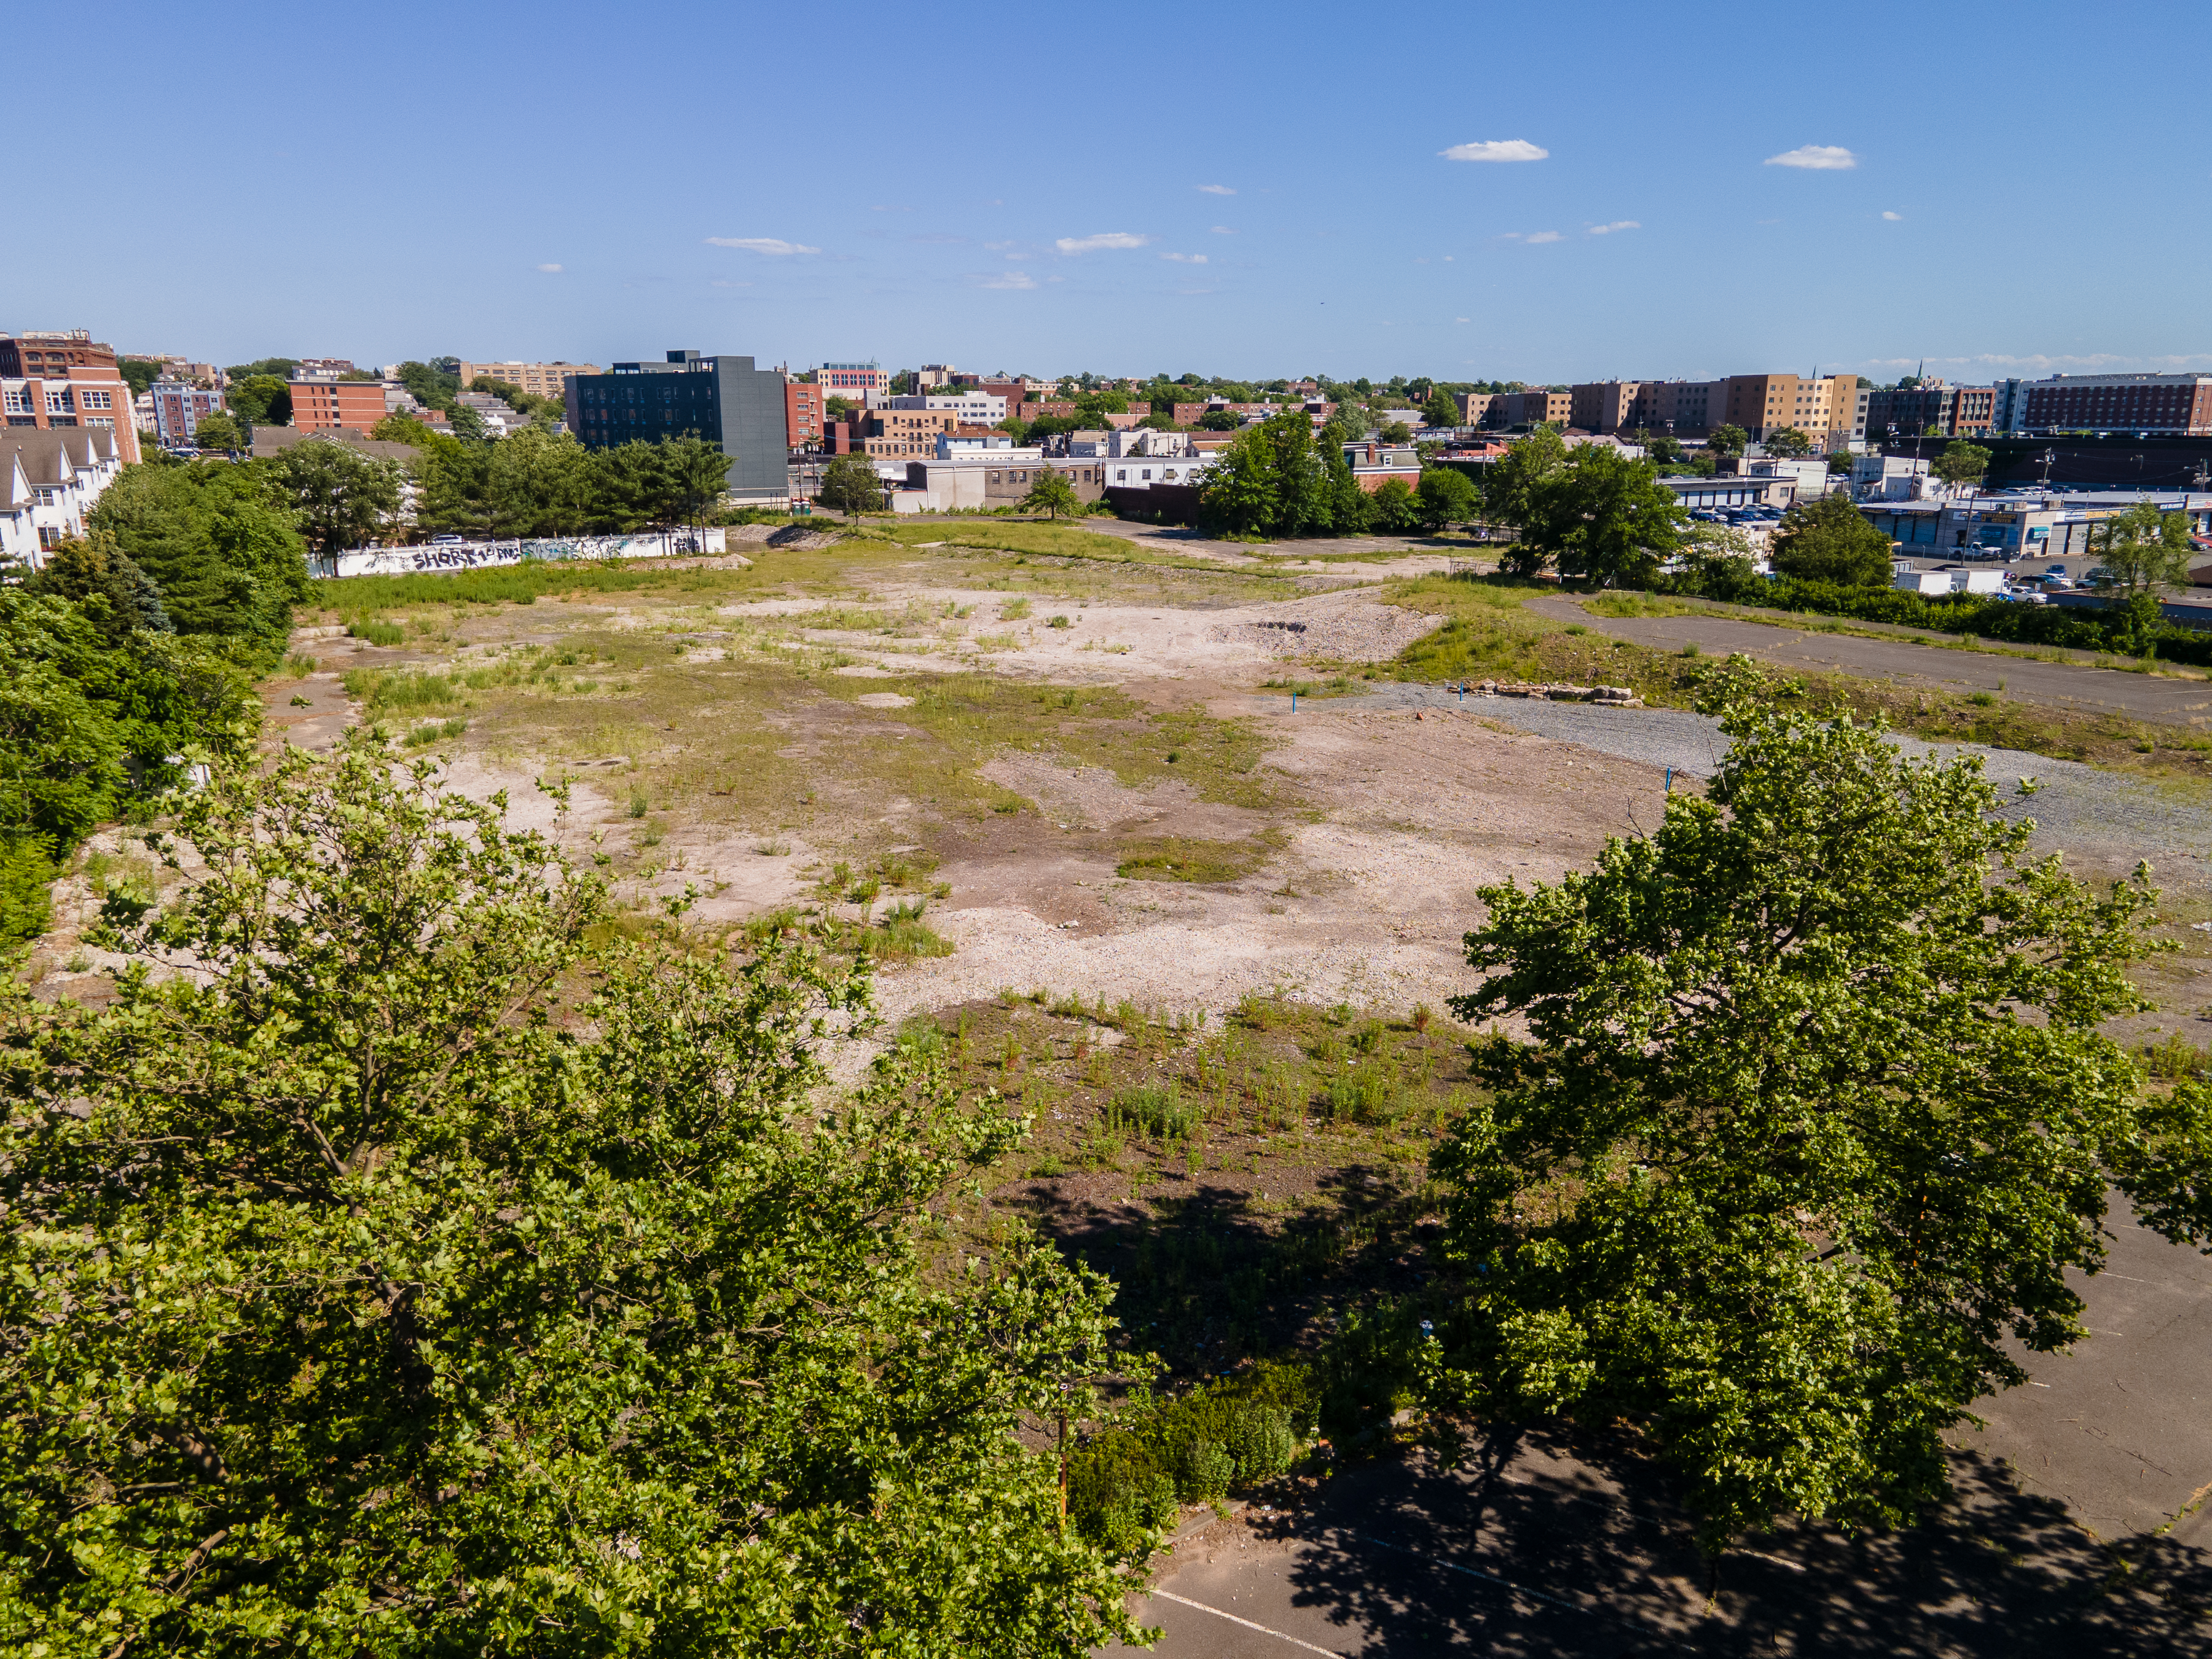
445 541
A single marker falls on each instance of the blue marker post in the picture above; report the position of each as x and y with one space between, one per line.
1462 694
1670 779
1294 702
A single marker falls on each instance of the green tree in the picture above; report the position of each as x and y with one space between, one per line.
1239 494
697 474
850 486
1220 420
1728 441
339 497
219 542
1440 410
1447 496
260 400
453 480
1513 490
139 373
1396 433
1051 495
537 483
399 428
278 368
2143 550
80 568
1603 516
1788 440
217 431
432 386
837 407
1814 1114
1961 462
1827 539
1392 506
474 1315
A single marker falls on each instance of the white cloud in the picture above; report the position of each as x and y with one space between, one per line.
1223 230
721 282
1448 258
1019 279
1820 158
1892 217
1104 239
1543 236
1459 319
1216 190
1495 149
552 270
1618 224
774 245
1186 258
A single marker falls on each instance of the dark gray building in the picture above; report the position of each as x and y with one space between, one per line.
724 400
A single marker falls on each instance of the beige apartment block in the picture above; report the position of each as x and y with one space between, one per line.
1824 408
1603 405
539 379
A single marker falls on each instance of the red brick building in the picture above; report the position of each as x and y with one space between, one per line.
331 405
802 414
64 378
2176 405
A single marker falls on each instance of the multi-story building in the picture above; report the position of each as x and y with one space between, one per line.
62 379
901 434
857 382
2153 404
539 379
49 480
973 407
321 402
802 414
934 374
1474 406
1527 408
1602 406
1681 409
177 409
1932 410
723 399
1824 408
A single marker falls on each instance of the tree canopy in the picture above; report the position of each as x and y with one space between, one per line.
1827 539
1814 1114
219 540
1593 510
1051 495
1788 440
1728 441
1274 480
850 486
339 497
2143 550
387 1286
1961 462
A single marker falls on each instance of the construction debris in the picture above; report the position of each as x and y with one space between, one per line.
1613 697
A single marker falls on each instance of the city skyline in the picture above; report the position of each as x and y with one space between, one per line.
1460 198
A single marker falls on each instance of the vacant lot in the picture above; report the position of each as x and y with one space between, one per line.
1053 780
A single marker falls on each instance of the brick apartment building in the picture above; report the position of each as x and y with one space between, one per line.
179 408
538 380
905 433
2180 405
64 378
802 415
1527 408
1603 405
1930 410
323 403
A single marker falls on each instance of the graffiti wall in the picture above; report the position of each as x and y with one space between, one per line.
478 555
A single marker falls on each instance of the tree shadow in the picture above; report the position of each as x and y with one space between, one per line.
1208 1273
1545 1542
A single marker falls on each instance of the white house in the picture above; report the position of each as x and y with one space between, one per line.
52 476
974 408
1143 471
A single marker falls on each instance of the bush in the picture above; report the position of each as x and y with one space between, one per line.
1128 1481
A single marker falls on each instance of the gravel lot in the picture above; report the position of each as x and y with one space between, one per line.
2079 807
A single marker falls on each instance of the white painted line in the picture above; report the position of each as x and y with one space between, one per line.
1185 1600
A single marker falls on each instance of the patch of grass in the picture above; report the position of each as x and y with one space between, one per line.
1485 632
1176 858
1059 621
1013 610
299 665
376 630
436 731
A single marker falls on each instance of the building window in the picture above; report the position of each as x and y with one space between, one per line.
57 403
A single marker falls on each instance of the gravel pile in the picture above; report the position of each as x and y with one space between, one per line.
2078 807
1341 627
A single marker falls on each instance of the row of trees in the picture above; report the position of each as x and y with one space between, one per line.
1276 480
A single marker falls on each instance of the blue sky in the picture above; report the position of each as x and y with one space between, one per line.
1228 188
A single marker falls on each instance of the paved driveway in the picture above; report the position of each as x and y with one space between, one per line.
1907 661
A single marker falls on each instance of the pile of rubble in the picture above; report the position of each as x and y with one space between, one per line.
1614 696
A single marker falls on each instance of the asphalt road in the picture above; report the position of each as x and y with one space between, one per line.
1541 1545
1906 661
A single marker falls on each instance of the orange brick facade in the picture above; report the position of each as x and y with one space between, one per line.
333 405
66 378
